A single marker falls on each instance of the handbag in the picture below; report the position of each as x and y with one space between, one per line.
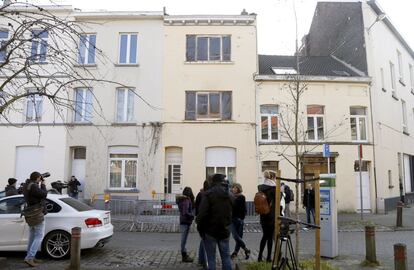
33 214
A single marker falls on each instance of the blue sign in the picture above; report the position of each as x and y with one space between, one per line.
326 152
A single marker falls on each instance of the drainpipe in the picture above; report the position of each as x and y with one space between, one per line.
373 147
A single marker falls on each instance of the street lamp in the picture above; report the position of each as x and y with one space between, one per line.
379 18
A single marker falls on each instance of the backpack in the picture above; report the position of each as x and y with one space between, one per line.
260 203
290 196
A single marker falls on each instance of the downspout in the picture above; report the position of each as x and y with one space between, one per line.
373 147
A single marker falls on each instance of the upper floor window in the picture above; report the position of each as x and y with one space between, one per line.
404 116
382 80
269 122
39 45
392 73
87 46
411 77
400 66
83 105
208 48
34 106
358 123
128 48
125 105
208 105
315 122
4 35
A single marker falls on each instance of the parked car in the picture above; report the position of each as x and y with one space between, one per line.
2 194
64 213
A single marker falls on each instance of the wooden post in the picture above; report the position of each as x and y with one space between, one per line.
400 206
75 249
400 257
370 250
277 221
317 222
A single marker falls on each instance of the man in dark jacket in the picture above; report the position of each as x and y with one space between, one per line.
34 195
214 220
73 185
309 203
11 187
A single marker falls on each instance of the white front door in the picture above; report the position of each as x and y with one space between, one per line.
174 178
366 196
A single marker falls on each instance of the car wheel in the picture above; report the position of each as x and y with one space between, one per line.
56 244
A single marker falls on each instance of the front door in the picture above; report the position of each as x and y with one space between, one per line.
174 178
366 195
79 168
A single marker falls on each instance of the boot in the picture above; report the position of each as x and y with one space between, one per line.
31 263
186 258
247 253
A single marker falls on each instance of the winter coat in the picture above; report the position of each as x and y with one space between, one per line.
198 199
73 186
309 198
269 191
239 207
215 212
11 190
186 209
36 194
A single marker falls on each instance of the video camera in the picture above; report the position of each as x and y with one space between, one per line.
45 175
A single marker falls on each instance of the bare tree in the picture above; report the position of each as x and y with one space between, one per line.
39 57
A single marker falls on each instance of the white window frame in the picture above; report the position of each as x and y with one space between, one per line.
32 100
84 103
37 56
86 48
4 40
400 66
125 108
410 67
358 129
269 125
404 116
208 117
123 180
208 48
226 171
392 74
128 48
315 125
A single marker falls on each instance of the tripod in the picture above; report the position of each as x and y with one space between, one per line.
284 252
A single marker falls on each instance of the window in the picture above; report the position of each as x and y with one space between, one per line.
123 169
34 106
400 67
125 105
221 160
76 204
358 123
382 80
52 207
208 48
83 105
4 35
404 116
128 48
270 165
12 206
269 119
390 183
87 46
39 45
411 77
392 73
315 122
208 105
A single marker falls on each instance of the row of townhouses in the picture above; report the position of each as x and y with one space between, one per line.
211 104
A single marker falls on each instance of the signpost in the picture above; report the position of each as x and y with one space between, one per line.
360 180
327 154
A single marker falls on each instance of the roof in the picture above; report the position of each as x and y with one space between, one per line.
374 5
309 65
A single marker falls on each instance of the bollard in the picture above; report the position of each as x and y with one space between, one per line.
400 257
75 249
370 250
400 206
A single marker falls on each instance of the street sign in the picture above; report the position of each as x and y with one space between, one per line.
326 152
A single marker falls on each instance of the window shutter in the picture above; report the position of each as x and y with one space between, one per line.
226 105
190 48
190 105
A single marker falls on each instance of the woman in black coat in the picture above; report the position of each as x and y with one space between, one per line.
239 213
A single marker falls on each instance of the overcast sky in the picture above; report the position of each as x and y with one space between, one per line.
275 20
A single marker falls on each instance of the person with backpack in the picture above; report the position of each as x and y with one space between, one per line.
265 206
34 193
185 205
239 213
214 220
289 197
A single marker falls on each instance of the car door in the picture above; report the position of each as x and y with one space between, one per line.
12 224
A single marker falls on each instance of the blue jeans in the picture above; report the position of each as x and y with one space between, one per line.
309 212
210 244
202 256
36 234
185 229
237 232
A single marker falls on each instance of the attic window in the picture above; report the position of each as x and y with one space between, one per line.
341 73
284 70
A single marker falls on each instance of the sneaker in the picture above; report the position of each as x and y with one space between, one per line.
31 263
233 255
247 253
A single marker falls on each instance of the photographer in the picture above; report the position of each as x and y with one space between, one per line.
34 214
73 187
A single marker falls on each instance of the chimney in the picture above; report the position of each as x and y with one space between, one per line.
244 12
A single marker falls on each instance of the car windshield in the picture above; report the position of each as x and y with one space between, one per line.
77 205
